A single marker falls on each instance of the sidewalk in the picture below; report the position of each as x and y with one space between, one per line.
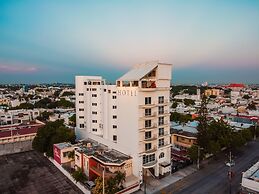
156 185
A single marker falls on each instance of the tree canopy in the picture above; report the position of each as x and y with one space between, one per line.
51 133
111 185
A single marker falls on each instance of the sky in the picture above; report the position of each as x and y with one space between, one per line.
52 41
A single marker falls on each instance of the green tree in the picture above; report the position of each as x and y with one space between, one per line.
51 133
213 96
44 116
72 119
246 96
174 105
193 152
202 128
251 106
79 175
188 102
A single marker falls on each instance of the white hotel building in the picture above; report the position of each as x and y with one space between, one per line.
132 116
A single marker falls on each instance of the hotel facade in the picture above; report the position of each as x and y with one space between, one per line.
132 116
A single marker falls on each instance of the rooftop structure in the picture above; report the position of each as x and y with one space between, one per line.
250 180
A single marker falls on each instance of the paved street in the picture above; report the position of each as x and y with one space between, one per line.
212 179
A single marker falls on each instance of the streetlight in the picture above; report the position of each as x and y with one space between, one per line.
230 174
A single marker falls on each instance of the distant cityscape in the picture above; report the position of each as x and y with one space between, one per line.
140 131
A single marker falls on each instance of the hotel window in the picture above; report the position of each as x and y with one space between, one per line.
94 95
109 91
148 135
114 107
89 83
81 102
81 94
148 123
81 125
104 90
94 104
93 89
147 100
161 99
114 116
113 97
118 83
161 121
115 138
161 110
85 83
94 121
81 117
161 131
148 158
81 109
162 155
148 112
114 126
94 112
114 92
148 146
87 89
161 142
95 130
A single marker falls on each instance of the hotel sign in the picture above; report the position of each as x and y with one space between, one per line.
127 92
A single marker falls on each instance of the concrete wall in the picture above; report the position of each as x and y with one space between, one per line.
11 148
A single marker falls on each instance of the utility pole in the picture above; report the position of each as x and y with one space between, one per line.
103 180
255 131
230 172
145 181
198 159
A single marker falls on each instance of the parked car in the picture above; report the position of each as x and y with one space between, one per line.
90 184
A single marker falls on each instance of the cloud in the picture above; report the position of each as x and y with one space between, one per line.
17 68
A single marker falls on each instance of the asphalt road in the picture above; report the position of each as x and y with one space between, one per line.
213 179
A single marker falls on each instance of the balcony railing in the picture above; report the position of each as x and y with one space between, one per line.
147 105
154 125
150 115
150 164
165 101
166 143
163 123
153 137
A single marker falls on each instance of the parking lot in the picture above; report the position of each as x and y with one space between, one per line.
32 173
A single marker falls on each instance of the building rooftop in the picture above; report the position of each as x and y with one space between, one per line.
138 71
17 130
63 145
101 152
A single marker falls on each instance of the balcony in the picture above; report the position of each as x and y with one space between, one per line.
163 134
150 164
99 171
148 139
147 86
166 143
164 102
163 123
164 113
147 105
149 116
152 150
152 126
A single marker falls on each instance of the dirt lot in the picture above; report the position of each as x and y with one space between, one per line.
31 173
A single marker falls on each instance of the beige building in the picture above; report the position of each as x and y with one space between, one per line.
209 92
132 116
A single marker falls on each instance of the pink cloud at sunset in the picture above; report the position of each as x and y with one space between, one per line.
17 68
